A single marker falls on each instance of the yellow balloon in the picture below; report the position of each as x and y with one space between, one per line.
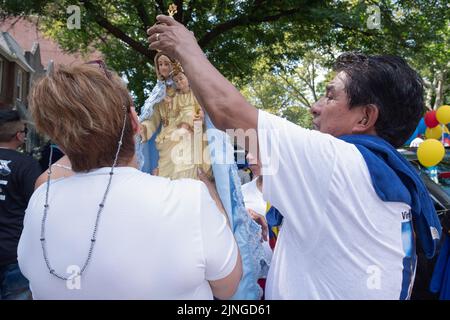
433 133
443 114
430 152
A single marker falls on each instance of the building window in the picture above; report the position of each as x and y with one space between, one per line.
19 84
1 75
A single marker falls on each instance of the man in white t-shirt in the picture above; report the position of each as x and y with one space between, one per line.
348 203
110 231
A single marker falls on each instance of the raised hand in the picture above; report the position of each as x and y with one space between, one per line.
259 219
169 36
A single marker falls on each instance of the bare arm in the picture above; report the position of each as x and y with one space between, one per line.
223 288
226 287
222 101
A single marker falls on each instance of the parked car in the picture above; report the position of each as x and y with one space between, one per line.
438 185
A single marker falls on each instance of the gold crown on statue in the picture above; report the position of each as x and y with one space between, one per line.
177 68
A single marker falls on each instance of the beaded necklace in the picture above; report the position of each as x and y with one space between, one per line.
100 209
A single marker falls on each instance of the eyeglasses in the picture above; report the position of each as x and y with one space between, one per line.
108 74
102 66
25 130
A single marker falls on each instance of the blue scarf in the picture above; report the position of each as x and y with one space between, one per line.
246 231
394 179
274 218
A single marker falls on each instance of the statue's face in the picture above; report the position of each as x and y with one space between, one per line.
181 82
164 66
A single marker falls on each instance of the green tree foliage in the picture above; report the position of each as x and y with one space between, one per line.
288 89
230 32
251 41
416 30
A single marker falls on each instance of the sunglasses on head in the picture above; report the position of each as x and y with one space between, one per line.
25 130
102 66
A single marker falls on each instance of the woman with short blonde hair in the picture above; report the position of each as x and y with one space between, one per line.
83 111
111 231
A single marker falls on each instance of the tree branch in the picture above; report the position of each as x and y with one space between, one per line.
305 80
314 81
241 21
301 95
115 31
179 15
142 13
161 7
356 30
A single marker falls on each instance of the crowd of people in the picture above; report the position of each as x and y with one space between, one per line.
96 225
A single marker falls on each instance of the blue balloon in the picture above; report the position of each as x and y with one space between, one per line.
420 130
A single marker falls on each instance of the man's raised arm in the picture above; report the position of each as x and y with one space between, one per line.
225 105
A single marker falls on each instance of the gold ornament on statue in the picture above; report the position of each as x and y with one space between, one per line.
197 110
176 68
172 10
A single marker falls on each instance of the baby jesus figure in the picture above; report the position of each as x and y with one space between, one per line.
182 149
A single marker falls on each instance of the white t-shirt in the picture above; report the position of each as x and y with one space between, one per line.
157 238
339 240
253 198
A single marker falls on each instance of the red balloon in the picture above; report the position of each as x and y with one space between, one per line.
430 119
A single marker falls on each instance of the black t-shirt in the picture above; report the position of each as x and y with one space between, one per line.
45 155
18 174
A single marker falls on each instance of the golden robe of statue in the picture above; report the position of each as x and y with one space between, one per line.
180 142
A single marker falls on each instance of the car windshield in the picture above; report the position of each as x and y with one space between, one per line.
444 175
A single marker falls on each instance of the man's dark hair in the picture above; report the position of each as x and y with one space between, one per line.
9 116
390 84
10 124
